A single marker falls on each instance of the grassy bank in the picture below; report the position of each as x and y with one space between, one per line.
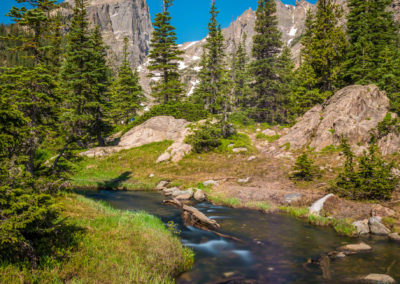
113 246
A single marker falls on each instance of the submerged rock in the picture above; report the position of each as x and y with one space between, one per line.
376 227
394 237
355 248
378 278
362 227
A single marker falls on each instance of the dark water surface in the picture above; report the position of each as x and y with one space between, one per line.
275 247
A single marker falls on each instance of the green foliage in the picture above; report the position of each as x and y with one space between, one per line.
372 33
126 94
180 110
387 125
164 58
269 138
304 169
372 179
241 119
324 44
205 138
266 49
213 88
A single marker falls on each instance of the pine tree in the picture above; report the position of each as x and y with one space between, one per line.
266 48
165 57
33 88
325 44
85 79
372 37
126 92
240 76
213 90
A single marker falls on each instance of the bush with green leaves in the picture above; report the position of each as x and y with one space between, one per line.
304 168
372 179
206 138
388 125
181 110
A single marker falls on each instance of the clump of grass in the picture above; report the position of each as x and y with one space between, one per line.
226 201
295 211
114 247
269 138
261 205
239 140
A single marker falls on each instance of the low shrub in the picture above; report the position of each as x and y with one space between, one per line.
206 138
183 110
304 168
241 119
372 179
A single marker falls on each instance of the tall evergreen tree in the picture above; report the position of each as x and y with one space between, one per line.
325 44
213 90
266 48
33 88
165 57
85 79
240 76
126 92
373 36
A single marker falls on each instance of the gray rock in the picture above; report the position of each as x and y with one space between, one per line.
244 180
376 227
210 183
162 184
251 158
378 278
362 227
355 247
164 157
151 175
239 150
199 195
269 132
171 190
394 237
293 197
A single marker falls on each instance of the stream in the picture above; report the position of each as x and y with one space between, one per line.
275 247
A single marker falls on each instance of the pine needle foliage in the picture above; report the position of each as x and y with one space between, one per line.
164 58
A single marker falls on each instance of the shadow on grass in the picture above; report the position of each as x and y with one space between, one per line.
115 183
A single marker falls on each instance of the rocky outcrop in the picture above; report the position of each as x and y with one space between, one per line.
156 129
352 112
119 19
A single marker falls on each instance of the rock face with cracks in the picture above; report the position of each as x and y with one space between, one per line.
156 129
352 112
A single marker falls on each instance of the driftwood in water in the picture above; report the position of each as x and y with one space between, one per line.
193 217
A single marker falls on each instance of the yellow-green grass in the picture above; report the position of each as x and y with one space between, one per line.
113 247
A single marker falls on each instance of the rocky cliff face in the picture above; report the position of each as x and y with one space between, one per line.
119 19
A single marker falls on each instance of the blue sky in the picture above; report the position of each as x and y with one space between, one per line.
190 17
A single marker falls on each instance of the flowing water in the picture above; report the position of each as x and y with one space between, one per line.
275 247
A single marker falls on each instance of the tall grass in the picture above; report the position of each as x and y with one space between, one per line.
114 247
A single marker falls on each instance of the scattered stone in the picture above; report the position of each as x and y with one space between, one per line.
376 227
199 195
151 175
171 190
362 227
210 183
378 278
269 132
318 205
244 180
162 184
355 247
394 237
164 157
184 196
258 129
251 158
239 150
379 210
231 145
293 197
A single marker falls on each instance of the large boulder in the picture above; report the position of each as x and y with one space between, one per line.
352 112
156 129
